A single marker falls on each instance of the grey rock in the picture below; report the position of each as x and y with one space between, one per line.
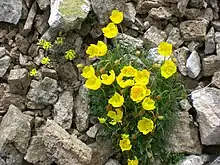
96 31
130 13
143 6
93 131
129 41
216 161
45 92
2 162
160 13
43 4
112 162
51 34
217 37
63 148
185 136
216 25
216 79
210 65
181 56
3 51
10 11
193 30
172 1
175 38
102 151
30 19
33 50
194 160
197 4
210 41
153 55
68 14
19 81
22 43
193 45
85 29
63 110
23 60
4 65
182 4
28 3
206 103
7 98
15 134
46 72
41 25
153 36
185 105
218 49
193 65
34 106
214 4
82 110
207 14
36 152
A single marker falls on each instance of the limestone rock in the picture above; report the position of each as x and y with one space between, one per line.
93 130
19 81
185 105
193 65
43 4
175 38
129 41
10 11
63 110
210 42
49 73
181 55
30 19
3 51
41 25
217 37
63 148
153 36
193 45
154 55
193 30
22 43
112 162
160 13
218 49
182 4
185 136
194 160
216 161
4 65
210 65
44 92
82 110
216 79
2 162
216 25
68 14
15 134
206 103
197 4
36 152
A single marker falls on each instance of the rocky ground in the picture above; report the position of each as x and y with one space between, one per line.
45 120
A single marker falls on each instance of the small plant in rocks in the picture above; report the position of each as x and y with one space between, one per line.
135 99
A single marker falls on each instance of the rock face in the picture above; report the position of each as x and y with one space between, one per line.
44 92
206 103
63 110
15 134
10 11
68 14
63 148
185 137
82 110
193 65
193 30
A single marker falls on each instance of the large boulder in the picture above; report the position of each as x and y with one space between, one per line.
10 11
206 102
68 14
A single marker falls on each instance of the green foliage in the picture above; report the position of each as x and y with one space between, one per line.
166 93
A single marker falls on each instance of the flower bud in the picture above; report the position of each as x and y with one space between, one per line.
160 117
138 53
80 66
102 70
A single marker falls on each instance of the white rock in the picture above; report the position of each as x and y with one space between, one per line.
112 162
185 105
194 160
193 65
93 130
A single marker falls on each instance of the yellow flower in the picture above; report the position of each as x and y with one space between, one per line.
124 136
59 41
108 80
124 83
145 125
115 116
47 45
45 60
88 71
92 51
70 54
129 71
165 49
125 144
133 162
148 104
142 77
116 16
93 83
80 66
102 120
102 48
33 72
116 100
168 69
138 93
110 31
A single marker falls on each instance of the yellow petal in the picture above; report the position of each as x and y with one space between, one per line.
116 16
